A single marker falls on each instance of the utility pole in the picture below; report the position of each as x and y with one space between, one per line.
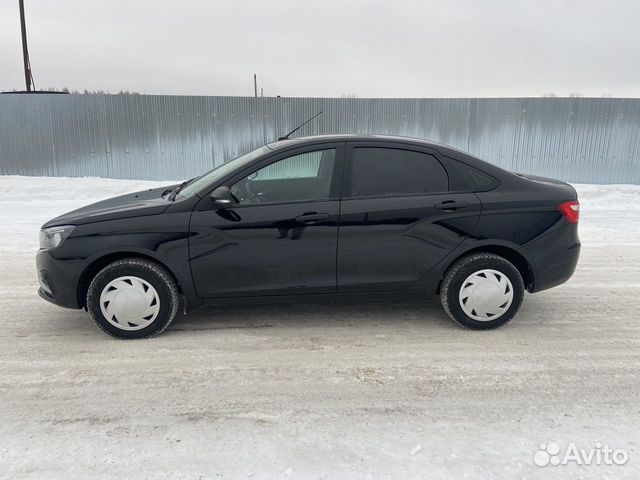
255 85
28 78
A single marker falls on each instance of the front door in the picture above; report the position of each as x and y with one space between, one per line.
280 237
398 218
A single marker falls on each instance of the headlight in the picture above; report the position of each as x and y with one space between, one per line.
53 236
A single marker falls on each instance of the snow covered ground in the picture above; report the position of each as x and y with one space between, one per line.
320 391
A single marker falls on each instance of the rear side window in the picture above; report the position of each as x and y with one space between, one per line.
390 171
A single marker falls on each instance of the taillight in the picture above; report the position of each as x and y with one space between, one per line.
571 210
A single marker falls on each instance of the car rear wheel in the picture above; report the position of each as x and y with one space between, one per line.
482 291
133 298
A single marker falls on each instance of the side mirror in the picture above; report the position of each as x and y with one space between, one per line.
222 197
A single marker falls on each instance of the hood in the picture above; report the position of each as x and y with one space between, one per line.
146 202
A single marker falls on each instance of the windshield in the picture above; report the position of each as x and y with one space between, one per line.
211 177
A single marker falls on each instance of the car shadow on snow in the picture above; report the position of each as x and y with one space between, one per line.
302 315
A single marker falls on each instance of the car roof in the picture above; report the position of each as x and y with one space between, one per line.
353 137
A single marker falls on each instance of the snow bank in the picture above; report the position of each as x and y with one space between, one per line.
609 213
609 197
27 202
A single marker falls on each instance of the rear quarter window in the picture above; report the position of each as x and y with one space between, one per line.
464 177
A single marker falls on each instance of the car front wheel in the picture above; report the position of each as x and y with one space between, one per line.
482 291
133 298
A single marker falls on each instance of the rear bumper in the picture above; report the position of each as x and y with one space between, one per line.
553 257
59 279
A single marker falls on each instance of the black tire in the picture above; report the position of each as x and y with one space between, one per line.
157 276
461 270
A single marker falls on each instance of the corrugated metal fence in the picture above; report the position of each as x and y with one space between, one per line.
595 140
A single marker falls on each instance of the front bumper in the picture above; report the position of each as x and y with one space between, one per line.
59 279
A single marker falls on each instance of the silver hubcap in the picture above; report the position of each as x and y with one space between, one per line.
129 303
486 295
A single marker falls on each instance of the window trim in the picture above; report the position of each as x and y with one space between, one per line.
348 168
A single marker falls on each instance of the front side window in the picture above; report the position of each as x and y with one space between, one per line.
390 171
303 177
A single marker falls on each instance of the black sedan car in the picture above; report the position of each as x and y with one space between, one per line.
315 218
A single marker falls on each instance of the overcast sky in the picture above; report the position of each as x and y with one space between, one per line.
328 48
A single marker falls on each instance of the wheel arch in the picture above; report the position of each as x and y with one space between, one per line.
512 255
102 261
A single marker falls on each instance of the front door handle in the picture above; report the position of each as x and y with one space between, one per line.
311 217
450 205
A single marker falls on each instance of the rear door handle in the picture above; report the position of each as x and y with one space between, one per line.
450 205
311 217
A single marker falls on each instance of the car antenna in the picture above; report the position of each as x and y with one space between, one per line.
286 137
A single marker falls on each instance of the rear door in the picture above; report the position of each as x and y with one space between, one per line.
398 216
280 237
